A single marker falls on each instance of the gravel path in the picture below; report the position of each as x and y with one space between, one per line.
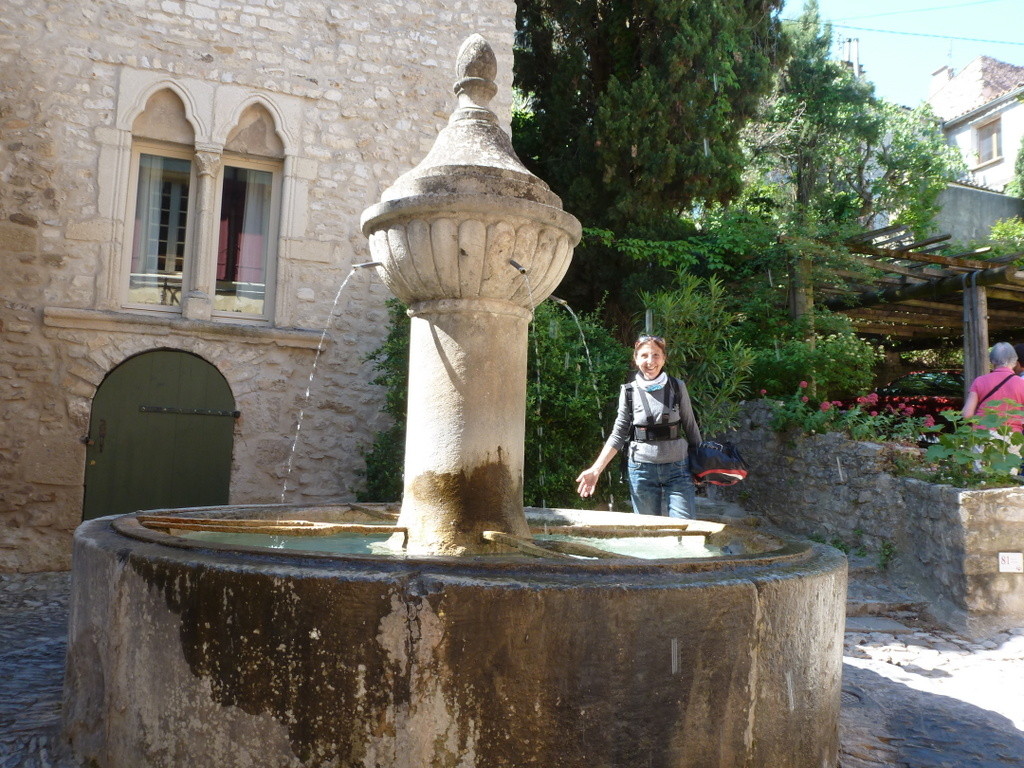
914 696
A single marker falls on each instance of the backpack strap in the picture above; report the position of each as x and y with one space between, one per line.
651 432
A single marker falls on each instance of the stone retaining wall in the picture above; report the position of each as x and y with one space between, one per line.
823 485
946 539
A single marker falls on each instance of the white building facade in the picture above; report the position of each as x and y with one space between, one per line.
982 109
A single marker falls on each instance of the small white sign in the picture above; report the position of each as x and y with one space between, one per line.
1011 562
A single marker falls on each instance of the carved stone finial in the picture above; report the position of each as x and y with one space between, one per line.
476 67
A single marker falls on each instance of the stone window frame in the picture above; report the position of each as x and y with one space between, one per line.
160 149
212 110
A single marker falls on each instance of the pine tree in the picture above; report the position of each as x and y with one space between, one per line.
638 105
635 108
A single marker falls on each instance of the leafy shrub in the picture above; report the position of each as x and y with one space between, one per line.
805 415
1009 233
838 365
698 326
976 453
385 459
570 406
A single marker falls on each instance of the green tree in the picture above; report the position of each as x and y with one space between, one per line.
1016 186
834 158
635 110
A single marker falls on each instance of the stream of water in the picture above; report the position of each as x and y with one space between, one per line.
312 372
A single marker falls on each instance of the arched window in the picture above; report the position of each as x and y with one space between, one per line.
247 231
204 221
163 182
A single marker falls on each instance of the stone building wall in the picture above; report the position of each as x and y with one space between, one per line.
357 92
946 539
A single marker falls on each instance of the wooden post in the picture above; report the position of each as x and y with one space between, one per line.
975 302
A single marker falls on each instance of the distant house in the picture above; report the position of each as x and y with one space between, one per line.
982 113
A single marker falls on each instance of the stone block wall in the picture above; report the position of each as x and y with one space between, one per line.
822 485
956 540
946 539
360 91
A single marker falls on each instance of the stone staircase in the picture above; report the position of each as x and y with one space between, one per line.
879 600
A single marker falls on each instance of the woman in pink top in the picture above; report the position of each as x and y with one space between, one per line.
1001 384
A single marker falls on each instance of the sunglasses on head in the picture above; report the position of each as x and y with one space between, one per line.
644 338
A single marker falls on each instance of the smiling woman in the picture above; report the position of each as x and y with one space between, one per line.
656 428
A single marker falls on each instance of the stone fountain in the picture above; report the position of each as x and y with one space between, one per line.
471 636
471 241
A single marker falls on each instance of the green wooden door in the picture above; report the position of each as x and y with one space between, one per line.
161 435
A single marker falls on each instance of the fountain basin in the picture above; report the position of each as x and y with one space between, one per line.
183 652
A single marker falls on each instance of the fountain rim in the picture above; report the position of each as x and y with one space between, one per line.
129 526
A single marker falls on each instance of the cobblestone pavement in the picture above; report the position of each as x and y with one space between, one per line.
33 639
918 696
914 696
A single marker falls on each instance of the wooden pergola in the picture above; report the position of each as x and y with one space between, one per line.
909 291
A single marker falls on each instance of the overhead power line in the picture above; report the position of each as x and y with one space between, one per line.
919 10
923 34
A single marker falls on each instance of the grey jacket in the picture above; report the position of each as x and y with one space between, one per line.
662 452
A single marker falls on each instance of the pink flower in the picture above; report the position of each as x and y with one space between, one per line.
873 398
804 399
837 402
874 413
803 385
764 391
929 420
909 410
826 405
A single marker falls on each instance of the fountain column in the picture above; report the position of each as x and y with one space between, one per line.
471 241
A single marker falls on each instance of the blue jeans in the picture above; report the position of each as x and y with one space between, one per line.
657 489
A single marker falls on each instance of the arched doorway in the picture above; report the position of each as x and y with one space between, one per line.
160 435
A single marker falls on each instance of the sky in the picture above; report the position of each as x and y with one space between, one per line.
903 41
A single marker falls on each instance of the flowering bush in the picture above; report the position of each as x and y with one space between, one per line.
864 421
978 452
840 364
